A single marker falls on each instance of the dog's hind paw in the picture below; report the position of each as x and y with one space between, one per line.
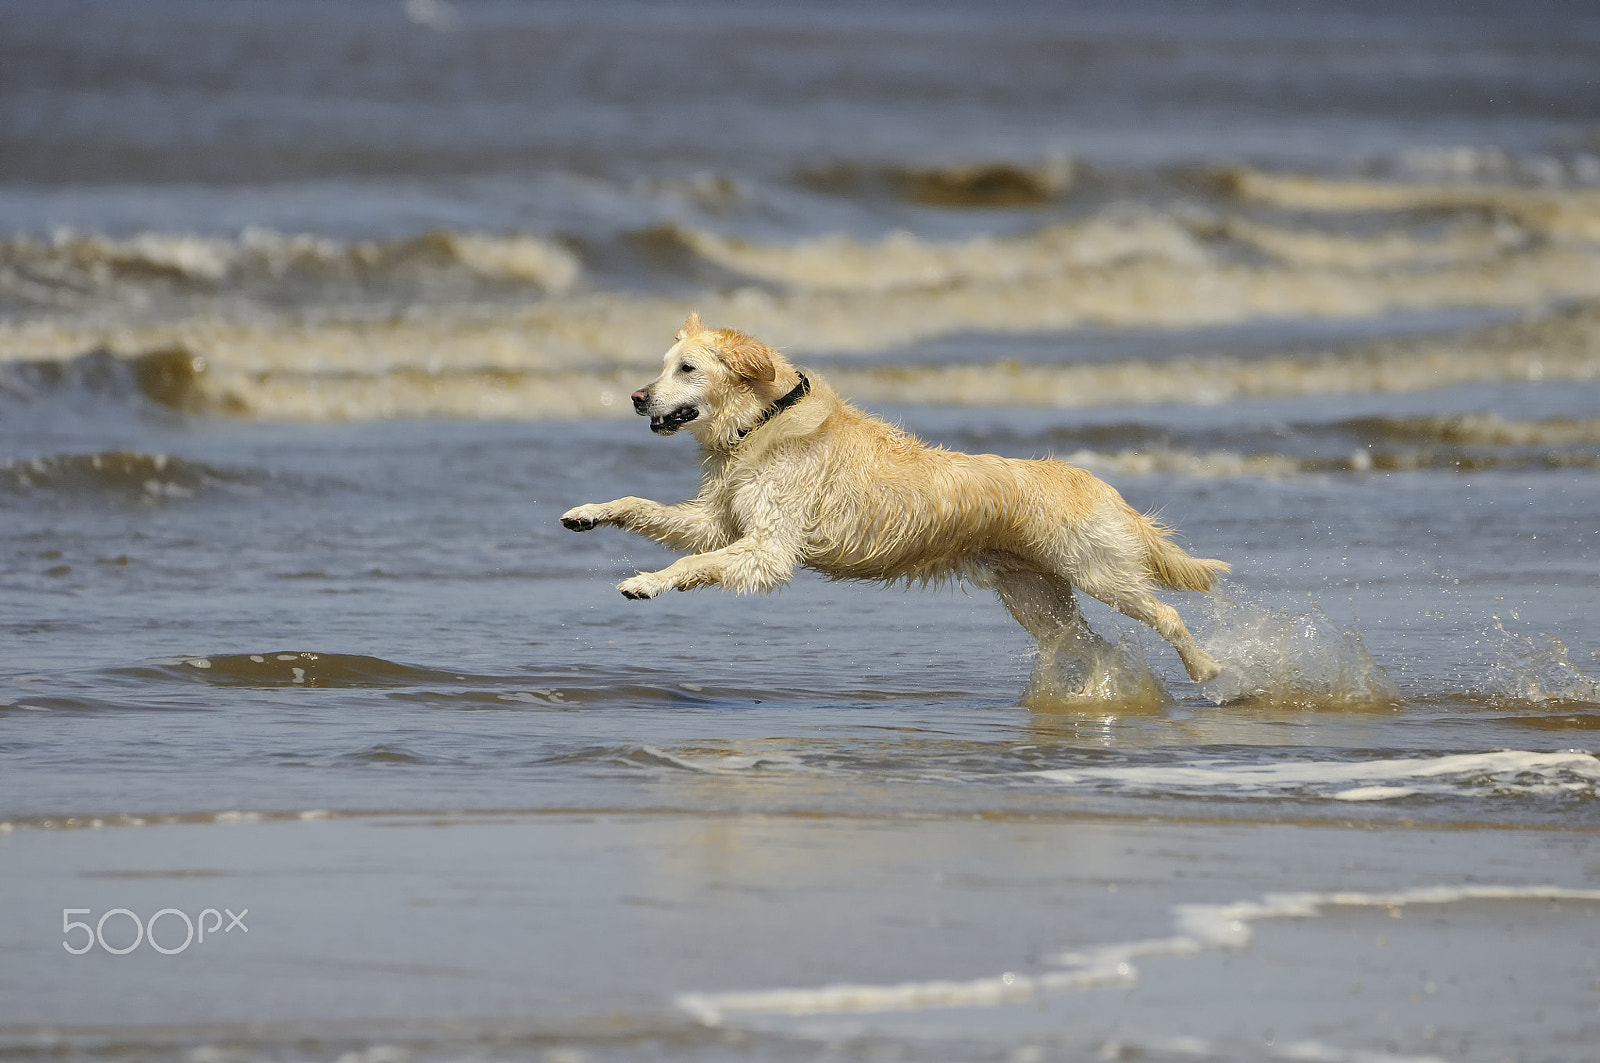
1204 670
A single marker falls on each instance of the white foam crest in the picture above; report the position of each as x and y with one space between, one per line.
1464 162
95 262
1571 214
1007 988
1516 772
1564 346
1124 235
1197 928
194 256
901 260
1493 429
519 257
725 762
1209 465
1467 242
158 819
1227 464
561 357
1293 1052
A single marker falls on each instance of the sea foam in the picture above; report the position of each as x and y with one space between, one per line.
1196 928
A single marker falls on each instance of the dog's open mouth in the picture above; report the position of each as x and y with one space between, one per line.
669 423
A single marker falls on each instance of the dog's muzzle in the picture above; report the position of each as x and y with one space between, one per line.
662 424
669 423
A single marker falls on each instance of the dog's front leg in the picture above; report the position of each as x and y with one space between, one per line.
686 526
745 566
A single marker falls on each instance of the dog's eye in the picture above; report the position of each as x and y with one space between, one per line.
685 368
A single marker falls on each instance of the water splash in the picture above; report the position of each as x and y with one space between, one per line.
1078 670
1524 671
1300 660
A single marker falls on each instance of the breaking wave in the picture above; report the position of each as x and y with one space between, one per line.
459 324
1563 346
1562 213
972 184
75 270
122 475
902 261
1463 443
1135 265
168 376
553 361
289 668
1484 429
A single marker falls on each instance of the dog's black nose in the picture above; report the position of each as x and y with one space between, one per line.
640 399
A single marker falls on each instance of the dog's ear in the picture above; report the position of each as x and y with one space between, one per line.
691 325
748 357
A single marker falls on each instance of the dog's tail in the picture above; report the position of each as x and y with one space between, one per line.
1170 565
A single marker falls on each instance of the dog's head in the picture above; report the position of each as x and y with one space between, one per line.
707 376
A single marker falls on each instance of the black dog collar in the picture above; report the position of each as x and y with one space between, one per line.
800 391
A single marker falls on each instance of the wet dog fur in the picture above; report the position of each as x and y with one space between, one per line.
794 475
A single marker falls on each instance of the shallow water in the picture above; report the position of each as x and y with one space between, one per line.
313 322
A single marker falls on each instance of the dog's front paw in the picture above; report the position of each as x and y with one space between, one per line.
644 585
582 518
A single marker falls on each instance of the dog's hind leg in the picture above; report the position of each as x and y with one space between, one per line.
1141 605
1043 605
1073 662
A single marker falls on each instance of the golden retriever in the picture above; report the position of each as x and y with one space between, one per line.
794 475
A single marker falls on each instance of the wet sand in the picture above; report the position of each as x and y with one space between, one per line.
678 935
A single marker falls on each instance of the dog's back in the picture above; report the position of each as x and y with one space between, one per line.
882 505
